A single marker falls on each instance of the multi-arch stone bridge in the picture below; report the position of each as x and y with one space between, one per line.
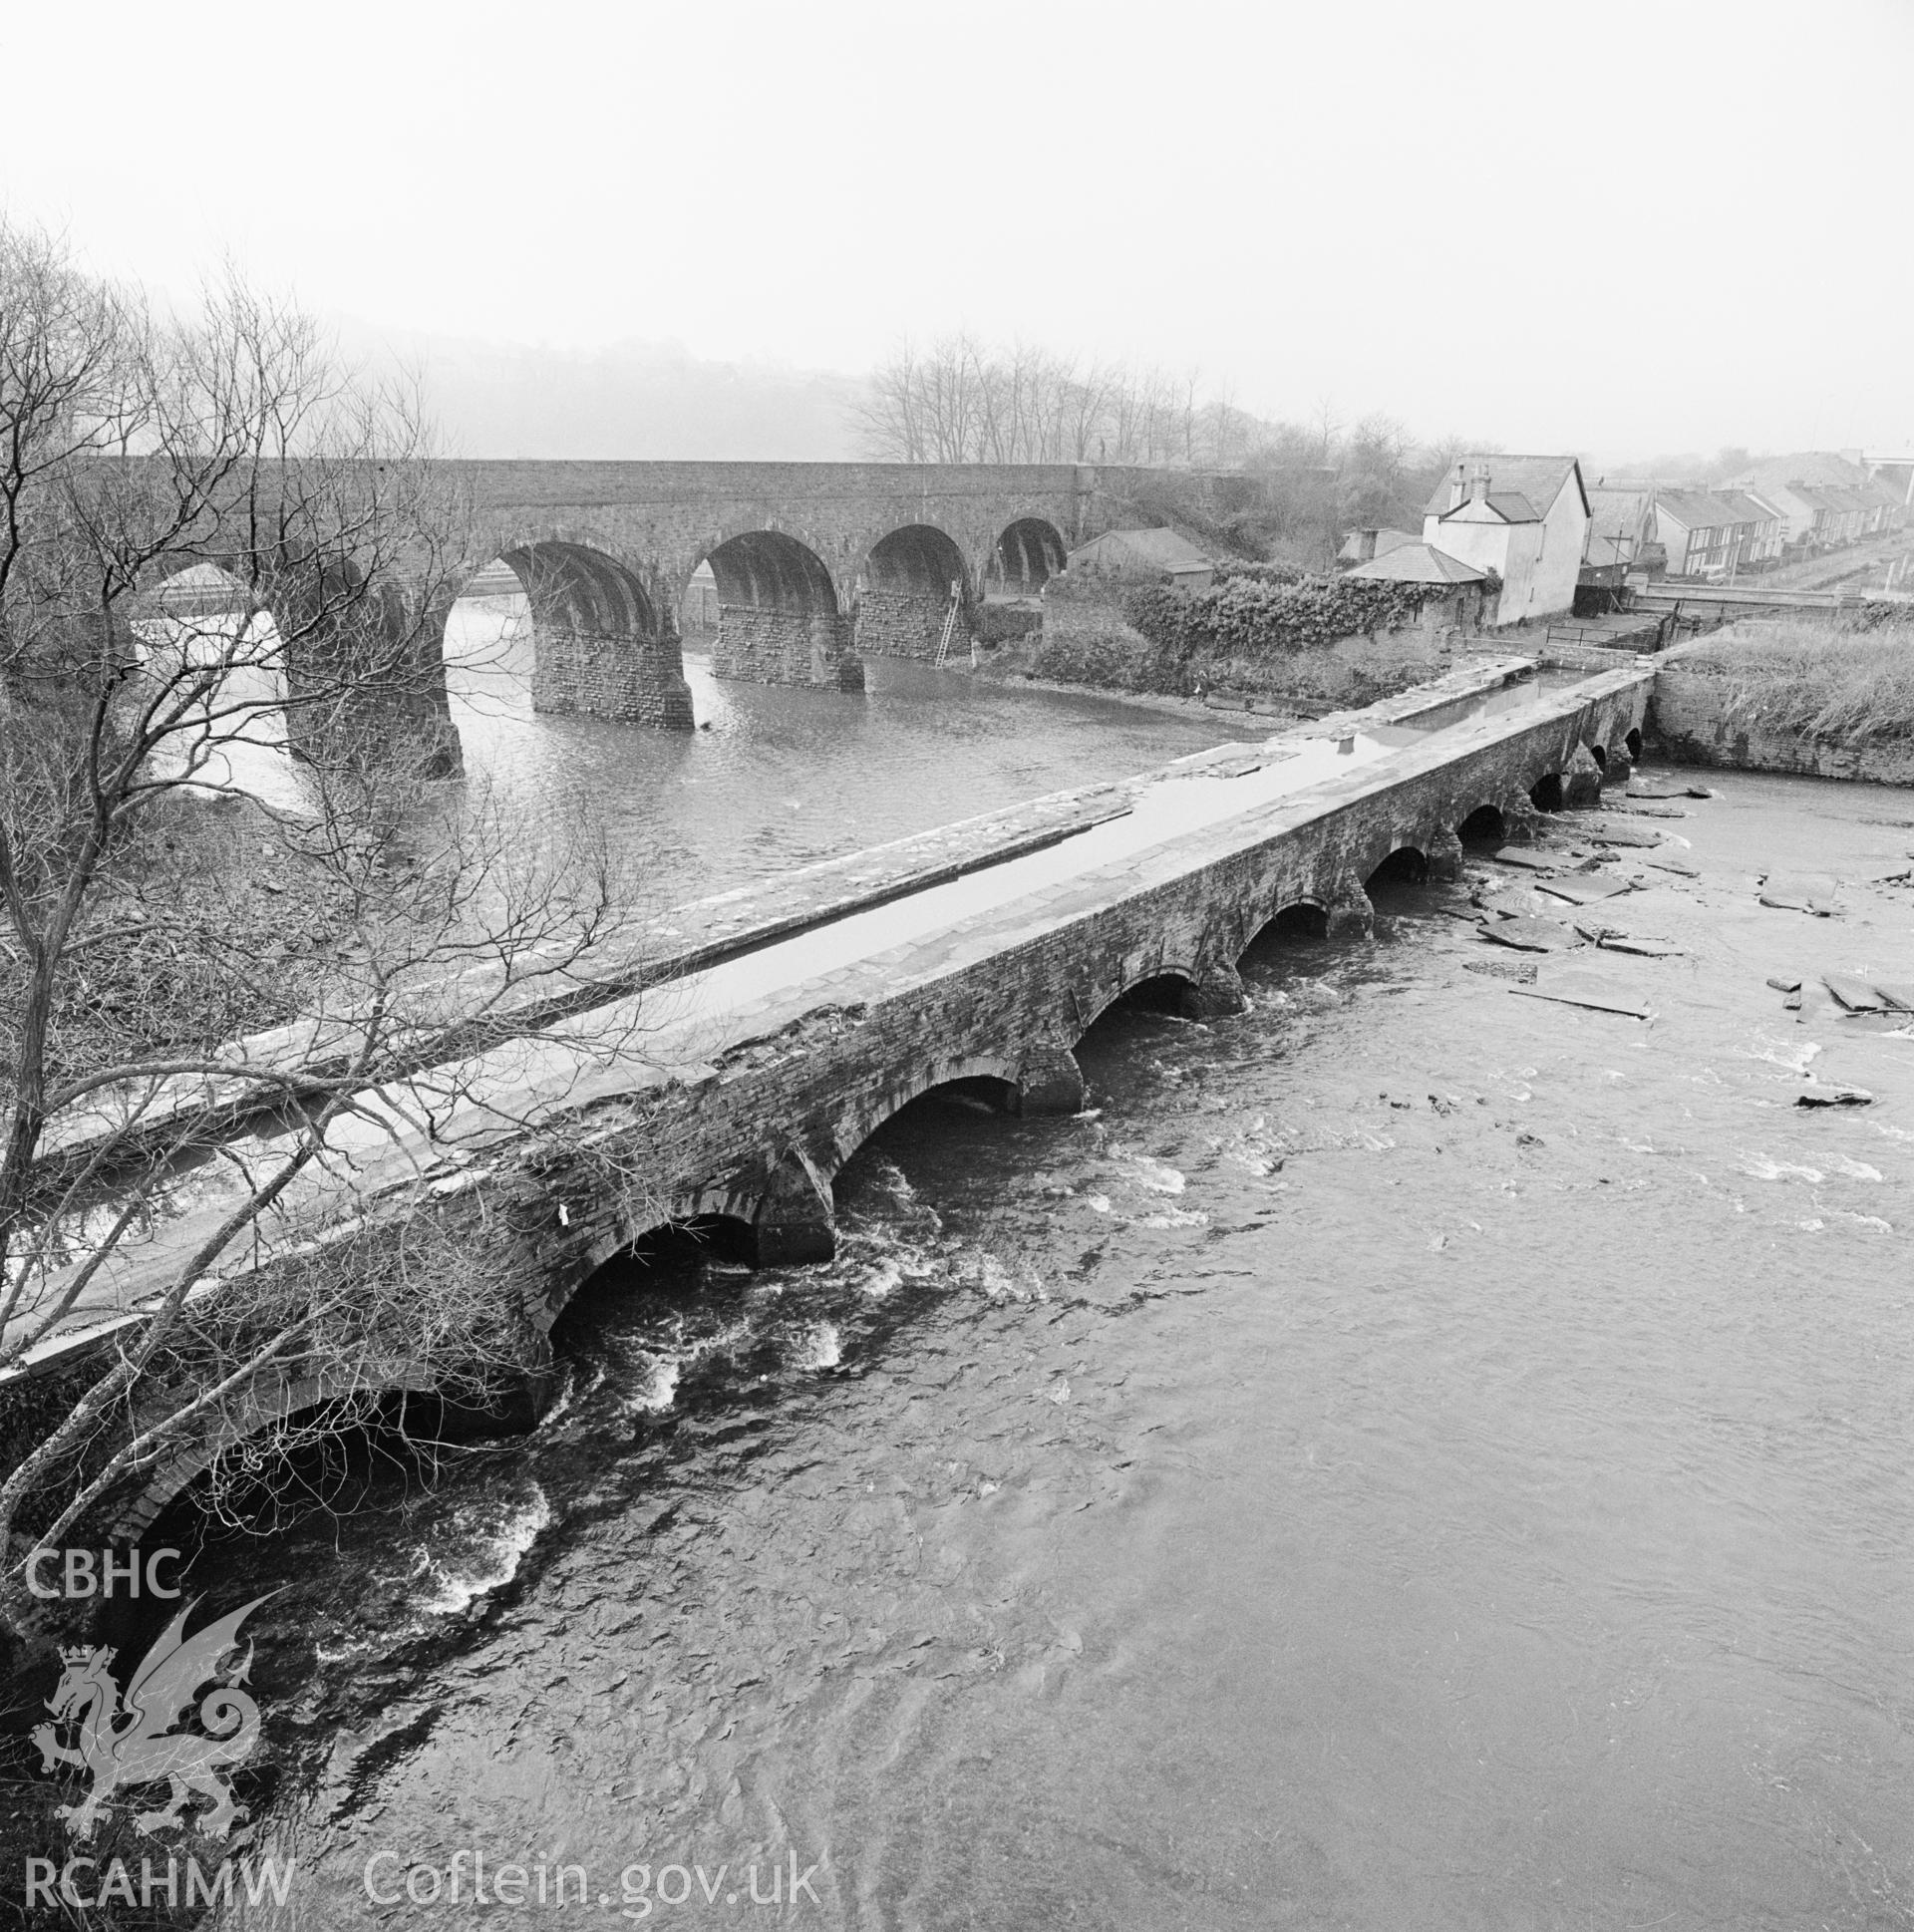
816 567
976 954
816 564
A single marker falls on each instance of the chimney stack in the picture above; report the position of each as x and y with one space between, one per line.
1479 483
1366 546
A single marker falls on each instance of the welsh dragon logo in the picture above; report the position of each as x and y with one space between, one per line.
123 1745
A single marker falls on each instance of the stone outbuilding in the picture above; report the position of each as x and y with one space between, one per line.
1145 556
1463 595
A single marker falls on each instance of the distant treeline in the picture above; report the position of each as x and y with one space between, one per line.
966 401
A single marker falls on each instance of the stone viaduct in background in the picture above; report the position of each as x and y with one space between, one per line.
816 564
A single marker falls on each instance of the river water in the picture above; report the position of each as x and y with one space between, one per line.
781 777
1412 1455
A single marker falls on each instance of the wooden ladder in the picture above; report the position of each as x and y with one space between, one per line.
950 623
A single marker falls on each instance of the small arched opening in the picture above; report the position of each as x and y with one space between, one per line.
332 1443
925 1122
1027 556
1301 924
1546 793
1600 756
778 615
1165 993
1483 826
1406 866
681 1312
1634 743
913 596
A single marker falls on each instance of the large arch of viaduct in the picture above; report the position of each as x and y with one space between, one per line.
816 564
759 1134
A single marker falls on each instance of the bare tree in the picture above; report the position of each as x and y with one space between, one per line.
964 402
411 927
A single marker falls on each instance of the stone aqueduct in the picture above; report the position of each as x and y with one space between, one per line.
756 1134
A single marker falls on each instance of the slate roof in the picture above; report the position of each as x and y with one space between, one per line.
1708 509
1538 479
1618 512
1418 564
1156 549
1816 468
1386 540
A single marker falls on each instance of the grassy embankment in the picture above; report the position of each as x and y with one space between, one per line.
1846 685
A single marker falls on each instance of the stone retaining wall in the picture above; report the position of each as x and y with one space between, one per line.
1686 720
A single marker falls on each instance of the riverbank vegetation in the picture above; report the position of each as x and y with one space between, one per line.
1266 631
1847 681
159 896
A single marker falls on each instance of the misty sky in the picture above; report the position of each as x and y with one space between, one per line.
1627 227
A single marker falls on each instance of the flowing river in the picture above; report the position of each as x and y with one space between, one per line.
1410 1456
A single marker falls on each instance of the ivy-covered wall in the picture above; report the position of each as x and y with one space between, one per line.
1265 627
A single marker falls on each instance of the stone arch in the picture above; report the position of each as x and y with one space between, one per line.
598 646
202 616
1546 793
1484 825
1631 742
356 668
1026 555
1297 918
1403 864
1134 976
1043 1080
724 1231
778 620
268 1401
906 591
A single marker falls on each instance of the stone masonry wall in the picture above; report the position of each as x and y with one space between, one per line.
908 623
1688 718
610 675
786 647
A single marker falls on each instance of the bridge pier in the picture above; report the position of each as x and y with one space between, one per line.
755 645
1217 992
609 674
1050 1082
1445 855
909 623
796 1221
1620 763
365 680
1581 780
1521 822
1352 913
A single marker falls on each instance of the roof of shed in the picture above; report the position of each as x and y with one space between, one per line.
1386 540
1165 550
1419 563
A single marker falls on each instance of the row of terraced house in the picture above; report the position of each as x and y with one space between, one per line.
1516 538
1777 510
